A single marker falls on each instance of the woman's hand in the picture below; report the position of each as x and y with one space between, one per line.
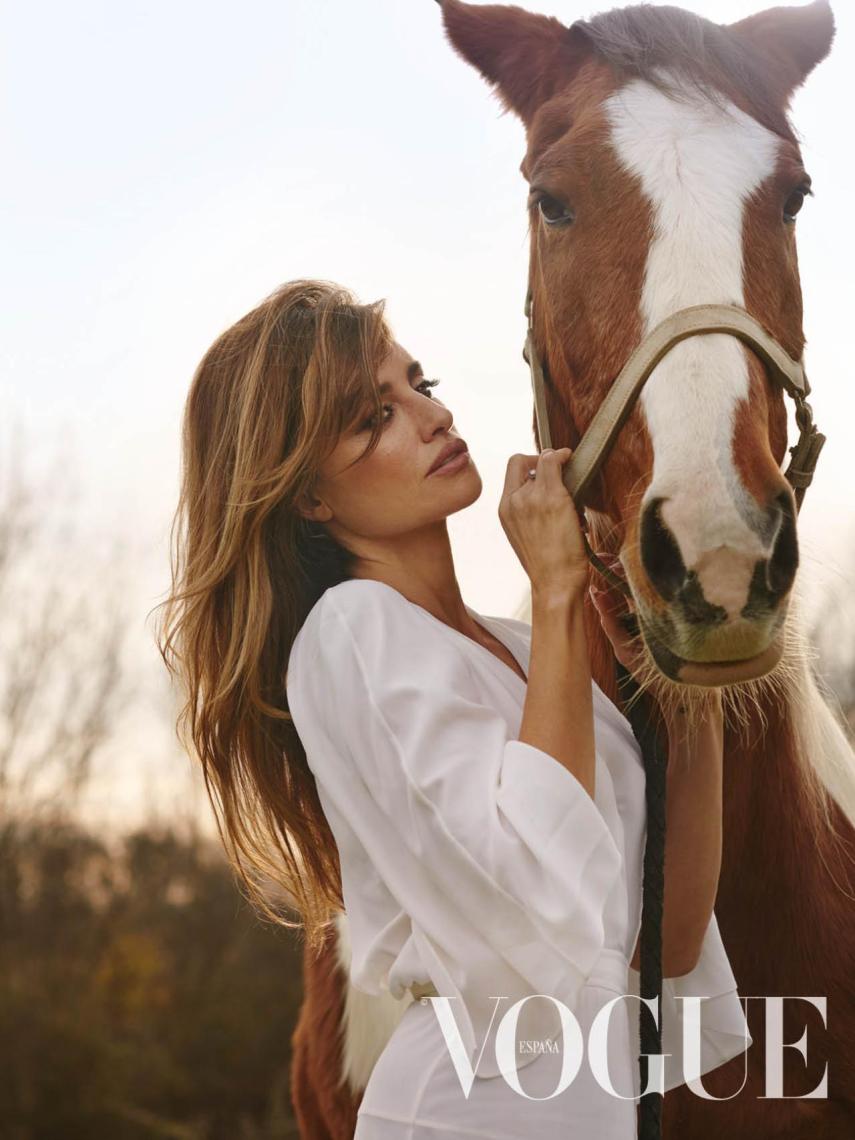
542 524
621 627
617 619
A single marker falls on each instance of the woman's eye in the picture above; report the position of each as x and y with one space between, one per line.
794 203
369 423
426 384
553 212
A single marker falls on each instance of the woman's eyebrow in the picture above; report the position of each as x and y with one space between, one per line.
414 369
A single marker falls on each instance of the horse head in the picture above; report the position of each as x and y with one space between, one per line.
664 173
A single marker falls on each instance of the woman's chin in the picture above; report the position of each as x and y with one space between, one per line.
462 489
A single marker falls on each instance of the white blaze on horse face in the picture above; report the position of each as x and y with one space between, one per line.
698 164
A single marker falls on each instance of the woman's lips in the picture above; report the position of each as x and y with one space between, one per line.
455 463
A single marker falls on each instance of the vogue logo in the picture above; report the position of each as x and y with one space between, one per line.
539 1047
598 1057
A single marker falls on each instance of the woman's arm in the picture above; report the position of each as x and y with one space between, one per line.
542 524
693 839
693 828
558 714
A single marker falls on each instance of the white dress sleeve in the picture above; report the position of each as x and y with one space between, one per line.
723 1025
494 849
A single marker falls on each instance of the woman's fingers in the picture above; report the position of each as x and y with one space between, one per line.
606 610
619 623
549 467
541 521
517 471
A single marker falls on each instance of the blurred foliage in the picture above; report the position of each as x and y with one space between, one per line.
140 996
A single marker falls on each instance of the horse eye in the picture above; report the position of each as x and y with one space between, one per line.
553 212
793 204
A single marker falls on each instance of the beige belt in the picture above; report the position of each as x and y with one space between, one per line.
610 972
423 989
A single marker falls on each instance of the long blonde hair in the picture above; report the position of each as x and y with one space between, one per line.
266 405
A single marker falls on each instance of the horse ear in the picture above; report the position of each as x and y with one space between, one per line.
526 56
794 40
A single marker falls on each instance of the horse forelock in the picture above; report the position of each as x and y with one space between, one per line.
673 50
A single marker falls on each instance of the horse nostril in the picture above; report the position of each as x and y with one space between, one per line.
773 576
784 561
660 554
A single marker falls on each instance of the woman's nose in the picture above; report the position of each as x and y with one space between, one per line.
440 418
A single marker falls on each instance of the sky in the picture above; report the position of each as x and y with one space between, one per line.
168 164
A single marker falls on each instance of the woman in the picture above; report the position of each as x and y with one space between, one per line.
457 782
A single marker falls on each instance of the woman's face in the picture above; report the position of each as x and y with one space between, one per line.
390 492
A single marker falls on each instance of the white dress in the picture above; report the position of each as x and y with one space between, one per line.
479 863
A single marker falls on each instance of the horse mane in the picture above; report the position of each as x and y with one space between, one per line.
822 740
659 42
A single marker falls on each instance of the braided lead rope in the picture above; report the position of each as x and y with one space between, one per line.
655 752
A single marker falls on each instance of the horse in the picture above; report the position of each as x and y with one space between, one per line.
664 173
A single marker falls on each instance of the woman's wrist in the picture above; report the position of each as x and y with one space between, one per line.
556 597
702 733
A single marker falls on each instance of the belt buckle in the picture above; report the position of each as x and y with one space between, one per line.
423 990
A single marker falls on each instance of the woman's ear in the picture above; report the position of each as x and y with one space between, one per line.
312 508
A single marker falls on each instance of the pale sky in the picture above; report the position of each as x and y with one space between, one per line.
168 164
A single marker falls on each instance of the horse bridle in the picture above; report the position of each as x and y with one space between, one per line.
578 475
600 435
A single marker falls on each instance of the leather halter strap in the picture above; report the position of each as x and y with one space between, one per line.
612 414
